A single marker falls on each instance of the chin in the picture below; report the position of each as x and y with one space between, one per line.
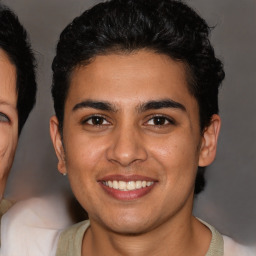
130 230
129 226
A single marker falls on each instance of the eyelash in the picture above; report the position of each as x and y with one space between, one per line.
103 121
4 118
92 117
169 120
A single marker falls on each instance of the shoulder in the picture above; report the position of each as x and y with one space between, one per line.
45 212
77 229
232 248
33 226
228 245
216 246
70 240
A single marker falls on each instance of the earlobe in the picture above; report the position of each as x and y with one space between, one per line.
209 142
57 144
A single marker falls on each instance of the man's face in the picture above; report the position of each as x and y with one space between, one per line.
8 117
131 141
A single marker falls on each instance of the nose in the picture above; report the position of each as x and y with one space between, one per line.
127 147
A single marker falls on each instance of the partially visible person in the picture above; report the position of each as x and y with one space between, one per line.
17 91
17 98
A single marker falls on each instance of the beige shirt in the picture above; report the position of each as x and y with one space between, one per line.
70 241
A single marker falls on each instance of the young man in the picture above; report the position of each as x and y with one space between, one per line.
17 91
135 89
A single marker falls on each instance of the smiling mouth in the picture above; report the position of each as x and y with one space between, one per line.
129 185
127 188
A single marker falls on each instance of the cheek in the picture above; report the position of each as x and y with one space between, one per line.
84 152
85 159
8 142
83 163
178 156
3 145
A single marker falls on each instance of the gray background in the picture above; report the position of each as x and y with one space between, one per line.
229 199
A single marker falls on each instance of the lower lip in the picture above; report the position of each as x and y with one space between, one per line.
127 195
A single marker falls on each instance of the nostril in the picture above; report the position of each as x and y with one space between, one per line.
126 152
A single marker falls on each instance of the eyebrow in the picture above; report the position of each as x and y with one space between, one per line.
150 105
100 105
159 104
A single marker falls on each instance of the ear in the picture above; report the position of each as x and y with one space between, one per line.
209 142
57 144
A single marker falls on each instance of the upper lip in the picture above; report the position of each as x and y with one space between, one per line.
126 178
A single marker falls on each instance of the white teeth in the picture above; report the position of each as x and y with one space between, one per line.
110 184
127 186
122 185
138 184
130 185
115 184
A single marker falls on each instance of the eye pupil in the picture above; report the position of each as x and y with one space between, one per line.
97 120
159 120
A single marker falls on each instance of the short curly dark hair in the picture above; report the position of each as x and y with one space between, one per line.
164 26
14 41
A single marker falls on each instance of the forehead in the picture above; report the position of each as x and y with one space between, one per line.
142 74
8 94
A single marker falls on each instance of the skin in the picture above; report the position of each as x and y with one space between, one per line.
164 145
8 117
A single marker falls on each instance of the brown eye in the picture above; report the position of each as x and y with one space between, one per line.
159 121
96 121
